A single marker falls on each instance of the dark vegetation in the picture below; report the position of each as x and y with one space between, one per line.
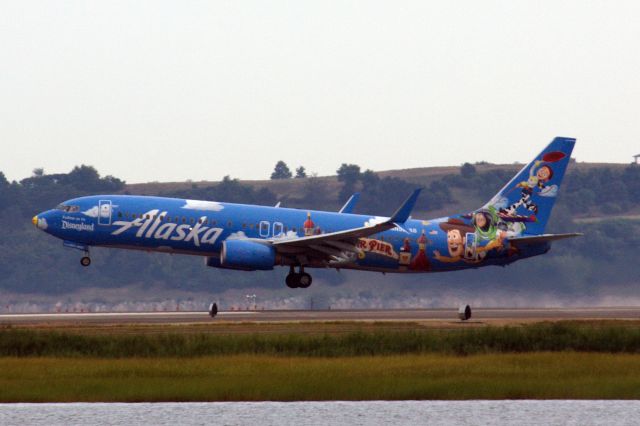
554 337
609 253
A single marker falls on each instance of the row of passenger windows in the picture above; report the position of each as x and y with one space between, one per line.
191 221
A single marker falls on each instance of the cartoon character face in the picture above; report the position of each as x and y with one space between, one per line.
480 220
455 242
544 173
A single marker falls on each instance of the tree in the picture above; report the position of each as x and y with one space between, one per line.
369 180
467 170
3 181
281 171
301 172
349 175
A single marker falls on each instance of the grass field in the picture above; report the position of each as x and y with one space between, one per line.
256 377
614 337
546 360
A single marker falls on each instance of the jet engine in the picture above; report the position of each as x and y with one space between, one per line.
246 255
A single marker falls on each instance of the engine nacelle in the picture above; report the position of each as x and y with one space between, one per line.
246 255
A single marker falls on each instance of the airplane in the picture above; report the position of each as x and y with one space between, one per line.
509 227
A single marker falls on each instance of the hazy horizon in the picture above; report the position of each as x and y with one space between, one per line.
175 91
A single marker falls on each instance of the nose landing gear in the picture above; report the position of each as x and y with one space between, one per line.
86 260
298 280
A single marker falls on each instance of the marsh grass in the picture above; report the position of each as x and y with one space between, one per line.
562 336
258 377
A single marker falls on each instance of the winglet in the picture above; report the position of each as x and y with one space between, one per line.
350 204
402 214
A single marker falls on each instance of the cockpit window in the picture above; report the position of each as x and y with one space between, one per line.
67 208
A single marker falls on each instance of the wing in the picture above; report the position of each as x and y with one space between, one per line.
340 247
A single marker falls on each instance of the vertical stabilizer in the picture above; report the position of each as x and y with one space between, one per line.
526 201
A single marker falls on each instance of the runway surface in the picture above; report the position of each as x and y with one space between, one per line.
486 315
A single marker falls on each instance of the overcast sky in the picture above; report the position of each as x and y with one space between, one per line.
167 91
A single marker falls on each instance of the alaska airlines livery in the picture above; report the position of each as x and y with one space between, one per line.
509 227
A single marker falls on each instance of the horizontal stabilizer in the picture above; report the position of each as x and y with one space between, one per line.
538 239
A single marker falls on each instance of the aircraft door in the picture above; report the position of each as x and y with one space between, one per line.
104 212
264 229
277 229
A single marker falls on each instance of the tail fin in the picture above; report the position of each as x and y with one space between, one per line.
527 200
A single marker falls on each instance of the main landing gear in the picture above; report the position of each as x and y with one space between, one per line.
213 309
298 280
464 312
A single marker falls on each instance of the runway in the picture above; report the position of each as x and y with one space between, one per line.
426 316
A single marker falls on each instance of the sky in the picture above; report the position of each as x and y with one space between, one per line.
171 91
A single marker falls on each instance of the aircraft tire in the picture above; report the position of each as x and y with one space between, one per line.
464 312
305 280
85 261
213 309
293 280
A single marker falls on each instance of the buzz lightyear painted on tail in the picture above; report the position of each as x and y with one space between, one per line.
509 227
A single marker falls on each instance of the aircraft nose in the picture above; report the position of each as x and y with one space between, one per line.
40 221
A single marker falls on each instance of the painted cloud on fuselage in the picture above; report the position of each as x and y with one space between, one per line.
211 206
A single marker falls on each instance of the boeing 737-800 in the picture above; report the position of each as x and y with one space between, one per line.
509 227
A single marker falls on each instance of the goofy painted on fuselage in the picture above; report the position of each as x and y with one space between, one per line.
248 237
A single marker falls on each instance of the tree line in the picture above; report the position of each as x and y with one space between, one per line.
31 262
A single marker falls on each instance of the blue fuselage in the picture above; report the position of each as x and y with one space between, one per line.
200 227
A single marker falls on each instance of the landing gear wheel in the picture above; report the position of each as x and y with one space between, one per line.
85 261
304 280
293 280
213 309
464 312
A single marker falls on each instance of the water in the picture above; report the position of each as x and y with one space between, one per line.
369 413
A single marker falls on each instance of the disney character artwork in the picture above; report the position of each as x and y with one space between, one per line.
539 174
421 261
